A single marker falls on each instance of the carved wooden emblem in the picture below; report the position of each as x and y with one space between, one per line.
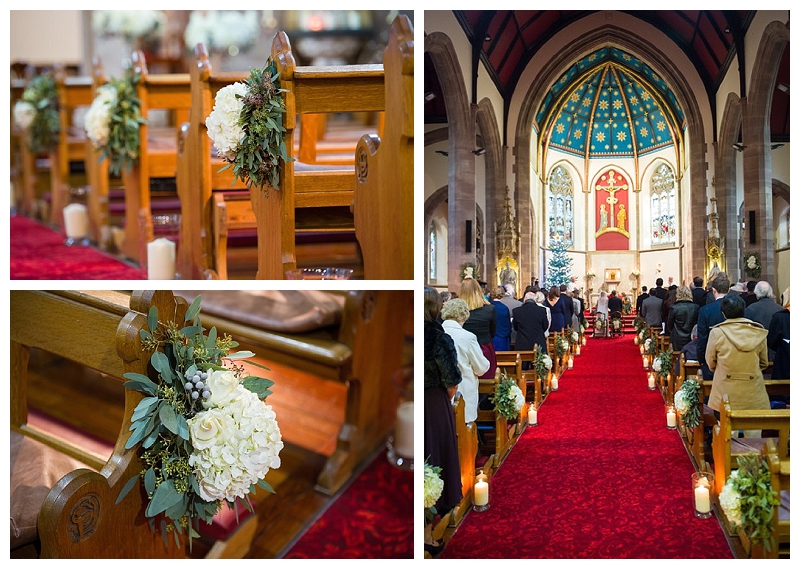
84 518
367 306
361 164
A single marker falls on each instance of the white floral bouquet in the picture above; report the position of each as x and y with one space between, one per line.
246 127
752 265
433 486
687 400
131 24
748 500
206 436
508 398
24 113
731 501
228 31
98 117
562 345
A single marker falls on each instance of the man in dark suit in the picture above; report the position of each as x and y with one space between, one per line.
614 303
530 322
660 291
708 316
640 299
749 295
698 292
651 310
566 299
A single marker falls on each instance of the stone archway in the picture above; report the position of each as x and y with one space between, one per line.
495 176
432 204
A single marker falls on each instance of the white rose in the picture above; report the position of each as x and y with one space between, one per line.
548 363
657 365
730 501
680 402
432 487
208 427
24 113
223 122
98 116
222 384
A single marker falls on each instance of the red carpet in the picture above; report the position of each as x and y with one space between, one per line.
372 519
39 253
600 477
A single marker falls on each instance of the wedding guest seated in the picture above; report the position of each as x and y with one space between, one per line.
471 360
736 353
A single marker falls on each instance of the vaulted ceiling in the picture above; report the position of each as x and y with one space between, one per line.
506 40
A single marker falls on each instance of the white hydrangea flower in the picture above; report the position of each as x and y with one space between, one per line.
731 501
432 486
574 336
680 402
24 113
223 122
515 394
235 445
98 117
657 365
647 344
548 363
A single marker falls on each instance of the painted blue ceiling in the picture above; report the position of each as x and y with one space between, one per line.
610 104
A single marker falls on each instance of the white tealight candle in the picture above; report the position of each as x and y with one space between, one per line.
671 418
404 430
161 259
702 499
76 221
481 493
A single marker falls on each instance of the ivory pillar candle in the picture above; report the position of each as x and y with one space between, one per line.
651 380
404 430
533 418
577 350
672 419
554 383
701 486
570 363
161 259
702 500
645 362
76 221
480 494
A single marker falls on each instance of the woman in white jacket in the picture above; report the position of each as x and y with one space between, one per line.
471 360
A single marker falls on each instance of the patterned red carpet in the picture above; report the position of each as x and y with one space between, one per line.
39 253
600 477
372 519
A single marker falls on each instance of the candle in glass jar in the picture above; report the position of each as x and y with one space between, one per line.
570 363
645 362
76 221
404 430
671 418
532 415
577 350
161 259
554 383
481 492
651 380
641 350
702 499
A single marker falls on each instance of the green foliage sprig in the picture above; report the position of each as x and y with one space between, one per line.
122 146
562 344
662 364
43 131
507 398
541 362
749 500
687 402
258 156
161 420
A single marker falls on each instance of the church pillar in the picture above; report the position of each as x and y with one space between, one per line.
759 234
695 251
461 201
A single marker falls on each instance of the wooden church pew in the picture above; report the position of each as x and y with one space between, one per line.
383 204
78 517
779 480
726 446
157 153
18 85
467 435
533 385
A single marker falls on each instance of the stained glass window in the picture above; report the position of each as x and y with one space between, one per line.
432 253
560 211
662 205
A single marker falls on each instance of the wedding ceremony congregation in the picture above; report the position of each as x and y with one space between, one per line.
211 419
606 285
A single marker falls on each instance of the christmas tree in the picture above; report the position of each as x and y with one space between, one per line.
559 268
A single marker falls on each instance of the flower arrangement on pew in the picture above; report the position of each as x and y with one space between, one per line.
562 345
133 25
541 363
574 339
662 362
616 324
432 490
37 113
246 127
640 326
747 499
508 398
206 435
112 122
752 265
224 31
687 403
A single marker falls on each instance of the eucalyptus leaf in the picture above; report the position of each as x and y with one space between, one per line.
164 498
240 355
150 480
193 309
168 418
152 318
127 488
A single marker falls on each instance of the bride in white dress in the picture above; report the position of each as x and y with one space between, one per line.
602 308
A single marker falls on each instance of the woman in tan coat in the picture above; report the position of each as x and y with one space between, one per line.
736 353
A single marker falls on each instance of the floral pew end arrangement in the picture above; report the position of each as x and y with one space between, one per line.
37 113
661 364
206 435
112 123
687 403
747 499
542 363
508 398
246 128
432 490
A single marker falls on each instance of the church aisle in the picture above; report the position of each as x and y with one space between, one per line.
600 477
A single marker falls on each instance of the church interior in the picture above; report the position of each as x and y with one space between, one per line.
121 168
604 154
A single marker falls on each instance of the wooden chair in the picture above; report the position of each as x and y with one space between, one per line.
384 194
79 517
157 152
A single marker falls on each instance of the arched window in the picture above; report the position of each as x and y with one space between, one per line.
560 211
662 205
432 253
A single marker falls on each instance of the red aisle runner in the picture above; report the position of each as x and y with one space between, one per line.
372 519
600 477
37 252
